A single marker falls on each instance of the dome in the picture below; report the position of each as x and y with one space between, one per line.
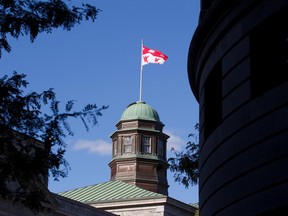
140 110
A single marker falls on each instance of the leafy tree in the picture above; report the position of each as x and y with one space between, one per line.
31 17
185 163
24 161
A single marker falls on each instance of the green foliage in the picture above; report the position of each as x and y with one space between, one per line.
31 17
185 163
24 161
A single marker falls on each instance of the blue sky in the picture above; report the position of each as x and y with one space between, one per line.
100 63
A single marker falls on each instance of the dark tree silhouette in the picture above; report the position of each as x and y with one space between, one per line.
185 163
31 140
31 17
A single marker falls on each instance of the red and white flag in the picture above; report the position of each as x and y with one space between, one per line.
152 56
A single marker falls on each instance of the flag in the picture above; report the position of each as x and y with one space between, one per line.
152 56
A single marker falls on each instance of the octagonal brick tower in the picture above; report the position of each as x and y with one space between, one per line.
139 149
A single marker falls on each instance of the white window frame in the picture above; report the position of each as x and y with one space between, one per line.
127 144
146 144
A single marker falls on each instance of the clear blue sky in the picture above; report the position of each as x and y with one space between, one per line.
100 63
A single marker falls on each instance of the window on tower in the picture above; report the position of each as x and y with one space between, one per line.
115 147
146 144
127 144
160 147
269 55
213 100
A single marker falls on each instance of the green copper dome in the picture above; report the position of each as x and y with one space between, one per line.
140 110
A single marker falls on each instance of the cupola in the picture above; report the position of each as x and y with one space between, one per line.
139 149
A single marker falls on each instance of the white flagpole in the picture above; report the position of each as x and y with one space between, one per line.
140 98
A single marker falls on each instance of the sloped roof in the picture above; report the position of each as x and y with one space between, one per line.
109 191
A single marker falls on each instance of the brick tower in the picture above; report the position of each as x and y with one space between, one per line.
139 149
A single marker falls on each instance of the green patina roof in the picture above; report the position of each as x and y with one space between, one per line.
140 110
109 191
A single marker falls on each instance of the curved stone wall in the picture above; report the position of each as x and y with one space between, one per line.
237 67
